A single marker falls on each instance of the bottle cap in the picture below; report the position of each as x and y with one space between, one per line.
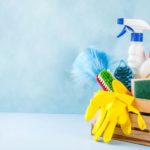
137 37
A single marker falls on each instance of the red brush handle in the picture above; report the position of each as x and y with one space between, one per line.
101 84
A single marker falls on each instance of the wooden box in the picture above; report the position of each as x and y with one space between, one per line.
137 136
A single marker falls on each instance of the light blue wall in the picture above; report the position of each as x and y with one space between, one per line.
39 40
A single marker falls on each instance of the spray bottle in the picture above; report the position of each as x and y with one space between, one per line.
144 71
136 54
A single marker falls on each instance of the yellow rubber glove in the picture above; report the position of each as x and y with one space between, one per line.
114 109
99 99
120 88
113 113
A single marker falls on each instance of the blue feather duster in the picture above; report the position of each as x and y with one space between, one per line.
88 64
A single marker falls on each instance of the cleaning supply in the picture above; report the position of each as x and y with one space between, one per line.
104 78
120 88
124 74
141 88
136 54
88 64
116 113
144 71
114 109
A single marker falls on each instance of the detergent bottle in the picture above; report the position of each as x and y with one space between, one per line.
136 54
144 71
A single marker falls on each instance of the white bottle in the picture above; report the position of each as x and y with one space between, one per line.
144 71
136 54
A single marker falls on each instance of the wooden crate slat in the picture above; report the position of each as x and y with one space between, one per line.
131 140
142 105
141 135
133 118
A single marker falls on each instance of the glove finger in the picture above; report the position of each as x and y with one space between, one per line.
108 133
99 120
102 127
126 128
95 104
90 112
125 123
141 122
119 87
123 117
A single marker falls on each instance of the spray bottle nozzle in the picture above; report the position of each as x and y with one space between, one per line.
136 26
120 21
124 30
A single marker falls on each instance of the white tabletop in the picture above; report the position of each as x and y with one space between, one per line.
52 132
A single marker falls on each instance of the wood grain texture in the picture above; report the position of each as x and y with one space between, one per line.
131 140
133 118
137 134
142 105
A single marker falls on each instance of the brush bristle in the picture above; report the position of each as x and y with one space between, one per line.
103 86
105 79
88 65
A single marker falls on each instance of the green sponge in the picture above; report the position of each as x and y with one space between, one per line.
141 88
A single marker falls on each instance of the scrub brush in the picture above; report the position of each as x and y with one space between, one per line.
105 79
124 74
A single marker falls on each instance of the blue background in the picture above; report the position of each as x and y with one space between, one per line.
39 40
